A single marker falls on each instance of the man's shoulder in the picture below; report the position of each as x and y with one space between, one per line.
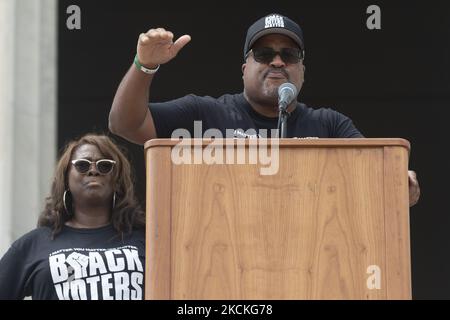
319 113
225 99
334 124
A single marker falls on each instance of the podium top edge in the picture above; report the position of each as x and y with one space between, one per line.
290 142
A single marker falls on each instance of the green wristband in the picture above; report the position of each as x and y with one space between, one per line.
144 69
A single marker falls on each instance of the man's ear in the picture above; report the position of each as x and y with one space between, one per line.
243 67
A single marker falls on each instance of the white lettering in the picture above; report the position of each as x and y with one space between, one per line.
58 268
93 286
133 261
137 279
374 280
274 21
213 152
106 286
96 264
121 286
374 20
78 289
62 290
79 263
113 264
74 20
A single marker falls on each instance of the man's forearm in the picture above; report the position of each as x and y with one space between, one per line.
130 103
129 116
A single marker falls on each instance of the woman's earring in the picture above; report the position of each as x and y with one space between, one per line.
64 202
114 200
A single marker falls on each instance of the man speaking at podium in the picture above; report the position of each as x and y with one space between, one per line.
274 53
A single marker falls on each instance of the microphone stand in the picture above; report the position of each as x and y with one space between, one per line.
282 121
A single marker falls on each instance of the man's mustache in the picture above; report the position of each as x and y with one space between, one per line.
279 70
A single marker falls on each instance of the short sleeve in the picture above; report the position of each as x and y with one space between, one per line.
341 126
12 275
175 114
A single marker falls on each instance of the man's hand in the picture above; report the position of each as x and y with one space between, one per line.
156 47
414 189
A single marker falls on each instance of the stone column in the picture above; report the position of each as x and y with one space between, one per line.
28 95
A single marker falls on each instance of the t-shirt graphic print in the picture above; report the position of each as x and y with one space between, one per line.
97 274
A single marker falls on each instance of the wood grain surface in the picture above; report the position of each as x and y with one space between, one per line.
311 231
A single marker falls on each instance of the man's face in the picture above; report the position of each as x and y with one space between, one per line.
261 80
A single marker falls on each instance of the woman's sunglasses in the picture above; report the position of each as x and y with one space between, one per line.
266 55
104 166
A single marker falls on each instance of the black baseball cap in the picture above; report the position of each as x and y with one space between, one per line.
270 24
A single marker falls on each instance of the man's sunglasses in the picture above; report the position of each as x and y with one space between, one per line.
104 166
266 55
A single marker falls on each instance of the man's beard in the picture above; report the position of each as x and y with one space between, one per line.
270 92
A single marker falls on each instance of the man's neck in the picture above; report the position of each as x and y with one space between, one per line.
270 111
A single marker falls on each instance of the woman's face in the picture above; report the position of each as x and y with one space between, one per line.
91 188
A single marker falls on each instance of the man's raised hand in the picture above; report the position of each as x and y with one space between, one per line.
156 47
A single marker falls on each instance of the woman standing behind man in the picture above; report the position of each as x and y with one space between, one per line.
90 240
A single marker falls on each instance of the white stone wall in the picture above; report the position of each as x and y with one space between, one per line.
28 93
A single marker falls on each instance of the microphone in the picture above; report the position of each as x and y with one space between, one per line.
287 92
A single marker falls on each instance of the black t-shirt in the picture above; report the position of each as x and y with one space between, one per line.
85 264
234 117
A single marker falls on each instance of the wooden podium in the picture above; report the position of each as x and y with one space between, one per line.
332 223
